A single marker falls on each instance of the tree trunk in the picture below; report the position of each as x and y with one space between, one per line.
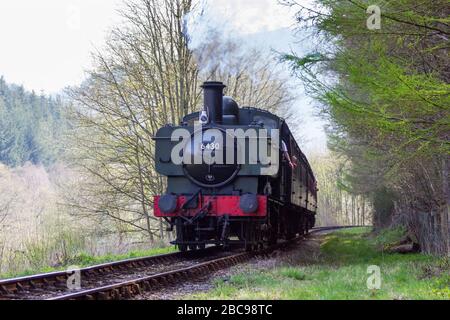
445 217
364 212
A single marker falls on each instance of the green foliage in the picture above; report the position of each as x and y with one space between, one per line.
293 273
390 236
30 126
341 273
304 61
381 91
383 202
386 96
85 260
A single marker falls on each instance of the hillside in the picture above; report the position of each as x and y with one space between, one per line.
30 126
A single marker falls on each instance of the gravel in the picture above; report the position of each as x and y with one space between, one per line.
306 252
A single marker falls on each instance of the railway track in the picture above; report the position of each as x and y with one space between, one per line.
128 278
48 285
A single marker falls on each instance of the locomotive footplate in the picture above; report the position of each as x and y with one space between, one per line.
217 206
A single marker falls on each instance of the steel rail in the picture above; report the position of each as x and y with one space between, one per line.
136 287
128 289
12 288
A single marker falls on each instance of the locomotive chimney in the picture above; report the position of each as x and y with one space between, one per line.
213 101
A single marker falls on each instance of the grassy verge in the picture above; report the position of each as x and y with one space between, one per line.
341 272
84 260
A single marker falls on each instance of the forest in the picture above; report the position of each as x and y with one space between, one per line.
385 92
77 174
30 125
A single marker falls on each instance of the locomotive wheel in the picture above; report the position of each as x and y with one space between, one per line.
259 246
304 226
270 239
309 224
251 247
272 232
250 237
182 235
292 226
290 232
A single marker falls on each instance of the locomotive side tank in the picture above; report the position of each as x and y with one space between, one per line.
234 176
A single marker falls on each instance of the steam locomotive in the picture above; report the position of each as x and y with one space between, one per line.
235 176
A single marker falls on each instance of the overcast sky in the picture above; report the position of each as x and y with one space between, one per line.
45 44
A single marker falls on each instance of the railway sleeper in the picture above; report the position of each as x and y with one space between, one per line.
104 296
8 289
136 288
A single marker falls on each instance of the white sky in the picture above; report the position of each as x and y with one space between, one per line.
252 16
46 44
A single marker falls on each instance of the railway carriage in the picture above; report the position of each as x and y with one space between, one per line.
234 176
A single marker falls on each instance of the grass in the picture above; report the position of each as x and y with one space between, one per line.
85 260
341 272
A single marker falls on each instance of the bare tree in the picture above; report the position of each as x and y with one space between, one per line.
253 77
5 210
8 197
145 78
338 203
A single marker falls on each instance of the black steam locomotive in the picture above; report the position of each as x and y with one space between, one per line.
235 176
